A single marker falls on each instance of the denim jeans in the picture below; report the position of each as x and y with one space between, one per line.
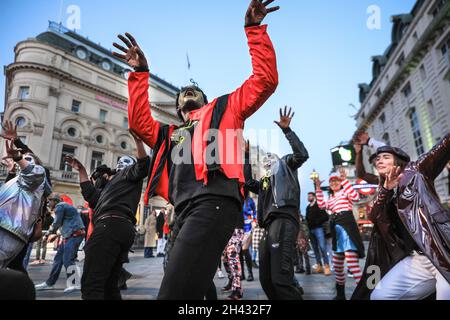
148 252
319 245
65 256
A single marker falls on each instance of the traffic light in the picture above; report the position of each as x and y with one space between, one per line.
343 155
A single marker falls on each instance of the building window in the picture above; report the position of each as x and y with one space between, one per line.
437 9
103 114
97 160
66 150
387 139
415 126
24 93
423 73
407 91
401 60
445 47
99 139
383 118
123 145
125 122
431 110
378 93
76 106
20 122
72 132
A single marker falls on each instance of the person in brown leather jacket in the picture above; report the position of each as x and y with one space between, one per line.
410 245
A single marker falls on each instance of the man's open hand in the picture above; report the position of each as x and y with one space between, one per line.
133 53
257 11
285 118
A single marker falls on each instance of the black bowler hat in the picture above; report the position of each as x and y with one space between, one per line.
399 153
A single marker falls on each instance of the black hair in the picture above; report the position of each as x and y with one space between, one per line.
205 98
312 193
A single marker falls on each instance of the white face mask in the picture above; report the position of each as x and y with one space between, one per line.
30 159
124 162
269 161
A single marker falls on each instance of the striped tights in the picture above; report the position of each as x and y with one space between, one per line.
352 263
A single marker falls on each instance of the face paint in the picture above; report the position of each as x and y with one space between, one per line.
124 162
30 159
191 98
269 161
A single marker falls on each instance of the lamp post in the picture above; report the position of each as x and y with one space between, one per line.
314 175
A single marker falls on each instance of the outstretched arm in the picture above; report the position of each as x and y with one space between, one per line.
433 163
139 170
139 115
300 154
247 99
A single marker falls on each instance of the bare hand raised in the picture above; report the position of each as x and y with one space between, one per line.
257 11
9 131
133 53
393 178
285 118
73 162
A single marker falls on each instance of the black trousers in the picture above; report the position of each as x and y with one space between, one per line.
200 234
15 285
105 253
245 255
276 261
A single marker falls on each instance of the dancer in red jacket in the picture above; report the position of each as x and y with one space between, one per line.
197 166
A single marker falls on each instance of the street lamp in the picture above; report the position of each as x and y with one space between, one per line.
314 176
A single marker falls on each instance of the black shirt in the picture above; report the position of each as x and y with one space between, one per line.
121 194
267 211
183 184
315 216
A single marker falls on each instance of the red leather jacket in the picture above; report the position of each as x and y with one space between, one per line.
242 103
420 211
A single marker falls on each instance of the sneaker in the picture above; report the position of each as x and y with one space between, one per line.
43 286
250 277
72 289
235 295
220 274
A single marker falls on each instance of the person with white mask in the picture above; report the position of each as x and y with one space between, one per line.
115 207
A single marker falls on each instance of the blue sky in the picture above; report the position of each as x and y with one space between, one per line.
323 50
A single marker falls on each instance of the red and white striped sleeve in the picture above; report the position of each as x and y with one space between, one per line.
352 194
320 199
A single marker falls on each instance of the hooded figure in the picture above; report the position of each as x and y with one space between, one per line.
20 200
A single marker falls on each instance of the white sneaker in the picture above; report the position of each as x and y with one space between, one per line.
43 286
220 274
72 289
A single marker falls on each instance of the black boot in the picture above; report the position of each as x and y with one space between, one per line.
250 277
340 292
228 286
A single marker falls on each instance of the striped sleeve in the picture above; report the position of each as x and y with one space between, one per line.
349 191
320 199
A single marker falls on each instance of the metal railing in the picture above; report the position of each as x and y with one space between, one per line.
65 176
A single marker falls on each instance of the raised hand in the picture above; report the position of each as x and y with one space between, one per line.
257 11
361 138
393 178
133 54
317 183
11 151
73 162
285 118
9 131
